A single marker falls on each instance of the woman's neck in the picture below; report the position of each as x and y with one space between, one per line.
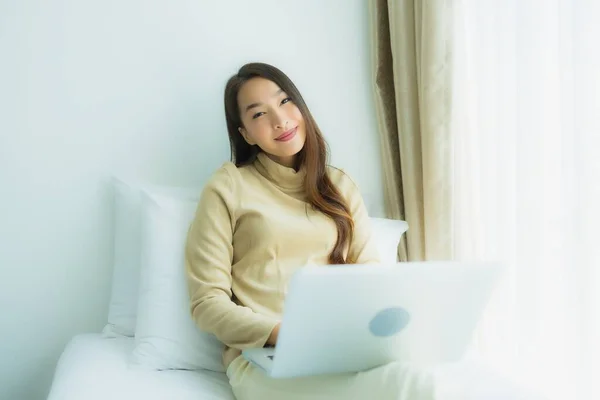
280 174
289 162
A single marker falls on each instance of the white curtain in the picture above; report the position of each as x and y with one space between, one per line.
526 112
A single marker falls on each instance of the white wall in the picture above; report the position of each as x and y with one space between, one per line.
92 87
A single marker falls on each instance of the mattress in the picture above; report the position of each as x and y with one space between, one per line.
93 367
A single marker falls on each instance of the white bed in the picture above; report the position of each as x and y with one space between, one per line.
93 367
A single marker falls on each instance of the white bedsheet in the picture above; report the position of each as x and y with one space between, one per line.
96 368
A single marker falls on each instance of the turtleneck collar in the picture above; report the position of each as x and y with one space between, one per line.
282 176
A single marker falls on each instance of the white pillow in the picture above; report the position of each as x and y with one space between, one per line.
126 266
387 234
166 336
126 258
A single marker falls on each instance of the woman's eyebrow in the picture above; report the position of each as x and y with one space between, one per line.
254 105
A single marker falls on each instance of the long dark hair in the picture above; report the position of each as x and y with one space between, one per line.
321 192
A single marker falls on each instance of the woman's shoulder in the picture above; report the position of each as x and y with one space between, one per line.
230 177
223 178
340 178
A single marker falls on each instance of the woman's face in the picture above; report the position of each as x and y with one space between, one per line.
271 120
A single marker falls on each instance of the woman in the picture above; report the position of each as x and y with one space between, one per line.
277 208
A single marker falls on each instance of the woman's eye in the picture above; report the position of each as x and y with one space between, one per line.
258 114
287 99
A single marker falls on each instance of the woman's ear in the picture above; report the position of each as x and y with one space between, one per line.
246 137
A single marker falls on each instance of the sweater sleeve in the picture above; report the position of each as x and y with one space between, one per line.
363 249
208 263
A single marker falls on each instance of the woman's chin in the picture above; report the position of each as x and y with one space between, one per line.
287 158
289 149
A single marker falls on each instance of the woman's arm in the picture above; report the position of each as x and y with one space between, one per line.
208 259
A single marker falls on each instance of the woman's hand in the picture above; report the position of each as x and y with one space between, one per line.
272 340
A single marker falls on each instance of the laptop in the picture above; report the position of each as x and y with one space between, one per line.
350 318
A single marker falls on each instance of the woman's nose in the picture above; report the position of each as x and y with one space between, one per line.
280 120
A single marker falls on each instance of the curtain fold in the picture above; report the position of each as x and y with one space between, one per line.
413 86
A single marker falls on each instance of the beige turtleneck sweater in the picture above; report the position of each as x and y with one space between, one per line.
252 231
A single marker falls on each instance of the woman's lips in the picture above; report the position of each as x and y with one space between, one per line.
287 135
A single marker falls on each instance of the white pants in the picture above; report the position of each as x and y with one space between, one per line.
394 381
